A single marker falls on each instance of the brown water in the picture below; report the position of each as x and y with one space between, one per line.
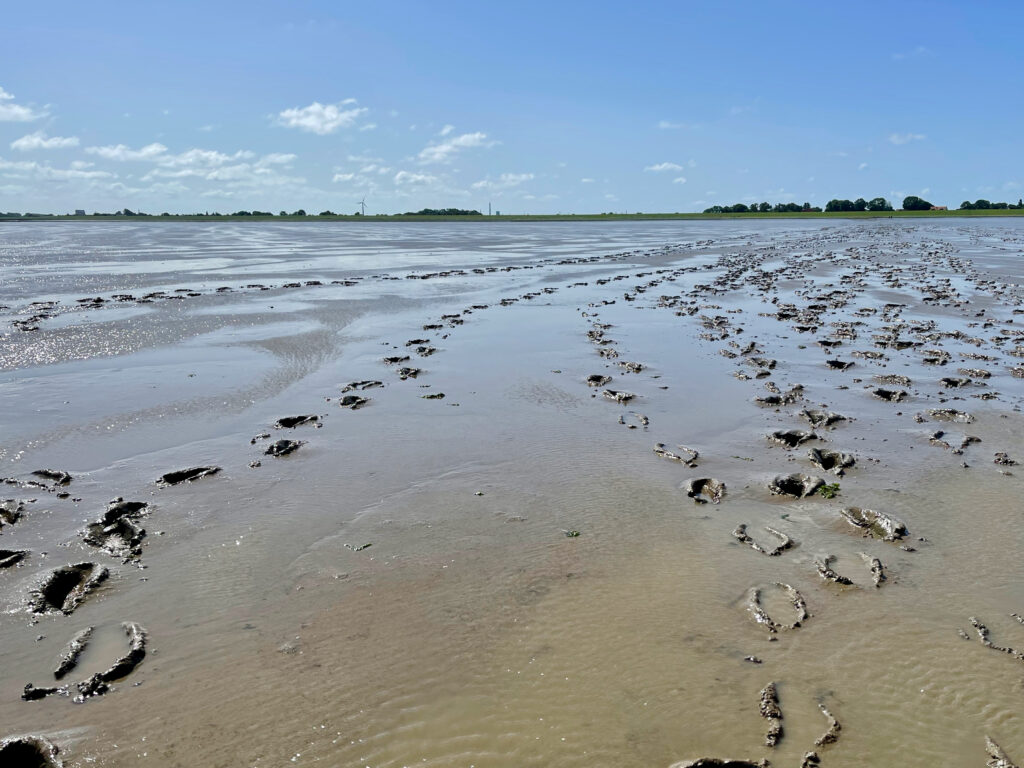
473 631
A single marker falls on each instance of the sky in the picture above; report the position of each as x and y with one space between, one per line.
533 107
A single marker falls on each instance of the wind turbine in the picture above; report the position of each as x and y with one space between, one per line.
363 204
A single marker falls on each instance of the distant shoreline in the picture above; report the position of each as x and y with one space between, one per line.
988 213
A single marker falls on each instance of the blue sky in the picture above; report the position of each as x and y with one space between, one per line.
535 107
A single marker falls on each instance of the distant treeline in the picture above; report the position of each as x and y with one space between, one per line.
442 212
985 205
763 208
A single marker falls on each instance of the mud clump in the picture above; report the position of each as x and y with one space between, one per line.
75 648
55 476
831 461
689 459
818 418
839 365
877 525
65 588
761 616
29 752
291 422
99 683
362 385
118 532
705 489
876 568
717 762
796 485
597 380
772 712
791 438
893 378
830 736
825 570
996 757
32 693
618 396
11 557
741 535
951 414
187 475
283 447
408 373
353 402
10 511
889 395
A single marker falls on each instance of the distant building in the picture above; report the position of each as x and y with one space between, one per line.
79 212
939 208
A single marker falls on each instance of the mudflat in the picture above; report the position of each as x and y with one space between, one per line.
521 494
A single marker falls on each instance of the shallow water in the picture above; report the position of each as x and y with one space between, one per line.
473 631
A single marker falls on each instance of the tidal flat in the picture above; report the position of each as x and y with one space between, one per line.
512 494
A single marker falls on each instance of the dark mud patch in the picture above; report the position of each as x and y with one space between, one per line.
55 476
705 489
29 752
831 461
187 475
118 532
63 589
791 438
797 485
11 557
291 422
283 447
818 418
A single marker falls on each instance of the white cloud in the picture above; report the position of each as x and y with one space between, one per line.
505 181
32 169
443 152
586 181
446 130
322 119
660 167
368 127
122 153
81 165
40 140
668 125
408 177
277 158
16 113
862 166
906 138
343 177
200 158
679 180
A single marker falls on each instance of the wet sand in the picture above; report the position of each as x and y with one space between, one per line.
511 574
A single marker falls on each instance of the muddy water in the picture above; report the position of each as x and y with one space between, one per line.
472 630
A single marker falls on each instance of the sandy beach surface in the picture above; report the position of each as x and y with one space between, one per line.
540 512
